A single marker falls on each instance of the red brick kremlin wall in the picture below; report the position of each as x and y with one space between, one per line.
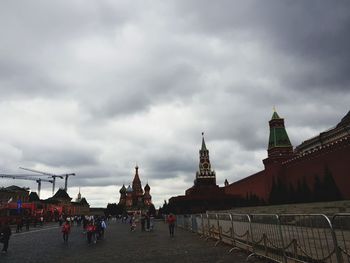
335 156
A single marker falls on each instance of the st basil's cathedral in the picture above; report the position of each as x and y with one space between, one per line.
134 198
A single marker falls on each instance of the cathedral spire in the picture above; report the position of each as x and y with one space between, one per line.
136 183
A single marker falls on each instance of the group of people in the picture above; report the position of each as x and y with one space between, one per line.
147 222
71 219
93 227
5 229
26 221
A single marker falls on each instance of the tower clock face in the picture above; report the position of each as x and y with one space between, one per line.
205 165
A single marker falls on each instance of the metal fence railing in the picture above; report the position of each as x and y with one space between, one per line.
341 228
284 238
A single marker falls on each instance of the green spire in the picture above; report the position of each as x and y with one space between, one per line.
278 133
275 116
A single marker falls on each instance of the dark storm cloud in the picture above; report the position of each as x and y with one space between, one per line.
36 38
170 81
317 35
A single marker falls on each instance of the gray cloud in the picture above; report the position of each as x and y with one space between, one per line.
96 86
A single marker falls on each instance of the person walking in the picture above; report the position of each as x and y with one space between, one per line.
103 227
152 214
132 223
90 229
143 221
147 221
171 223
98 229
85 224
65 231
19 224
5 234
27 223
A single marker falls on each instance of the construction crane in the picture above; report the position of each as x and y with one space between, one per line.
26 177
53 176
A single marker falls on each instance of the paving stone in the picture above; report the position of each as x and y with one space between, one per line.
119 245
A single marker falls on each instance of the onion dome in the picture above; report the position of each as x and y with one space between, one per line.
147 188
122 190
129 189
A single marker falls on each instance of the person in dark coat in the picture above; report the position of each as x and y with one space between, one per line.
5 236
147 222
143 220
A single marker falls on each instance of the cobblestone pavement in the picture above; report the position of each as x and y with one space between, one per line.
119 245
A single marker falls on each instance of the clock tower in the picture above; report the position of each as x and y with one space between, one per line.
204 176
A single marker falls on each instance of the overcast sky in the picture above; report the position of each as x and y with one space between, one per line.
94 87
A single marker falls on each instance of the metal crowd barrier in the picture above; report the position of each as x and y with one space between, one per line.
309 238
187 222
213 226
281 238
267 237
341 227
242 232
180 221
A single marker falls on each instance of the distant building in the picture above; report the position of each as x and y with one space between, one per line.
13 194
61 202
16 201
134 197
81 206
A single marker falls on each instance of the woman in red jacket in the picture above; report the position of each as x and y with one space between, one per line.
66 231
171 222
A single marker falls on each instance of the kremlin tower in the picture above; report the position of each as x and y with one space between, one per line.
204 176
205 181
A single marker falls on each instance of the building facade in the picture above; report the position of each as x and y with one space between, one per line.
134 198
13 193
